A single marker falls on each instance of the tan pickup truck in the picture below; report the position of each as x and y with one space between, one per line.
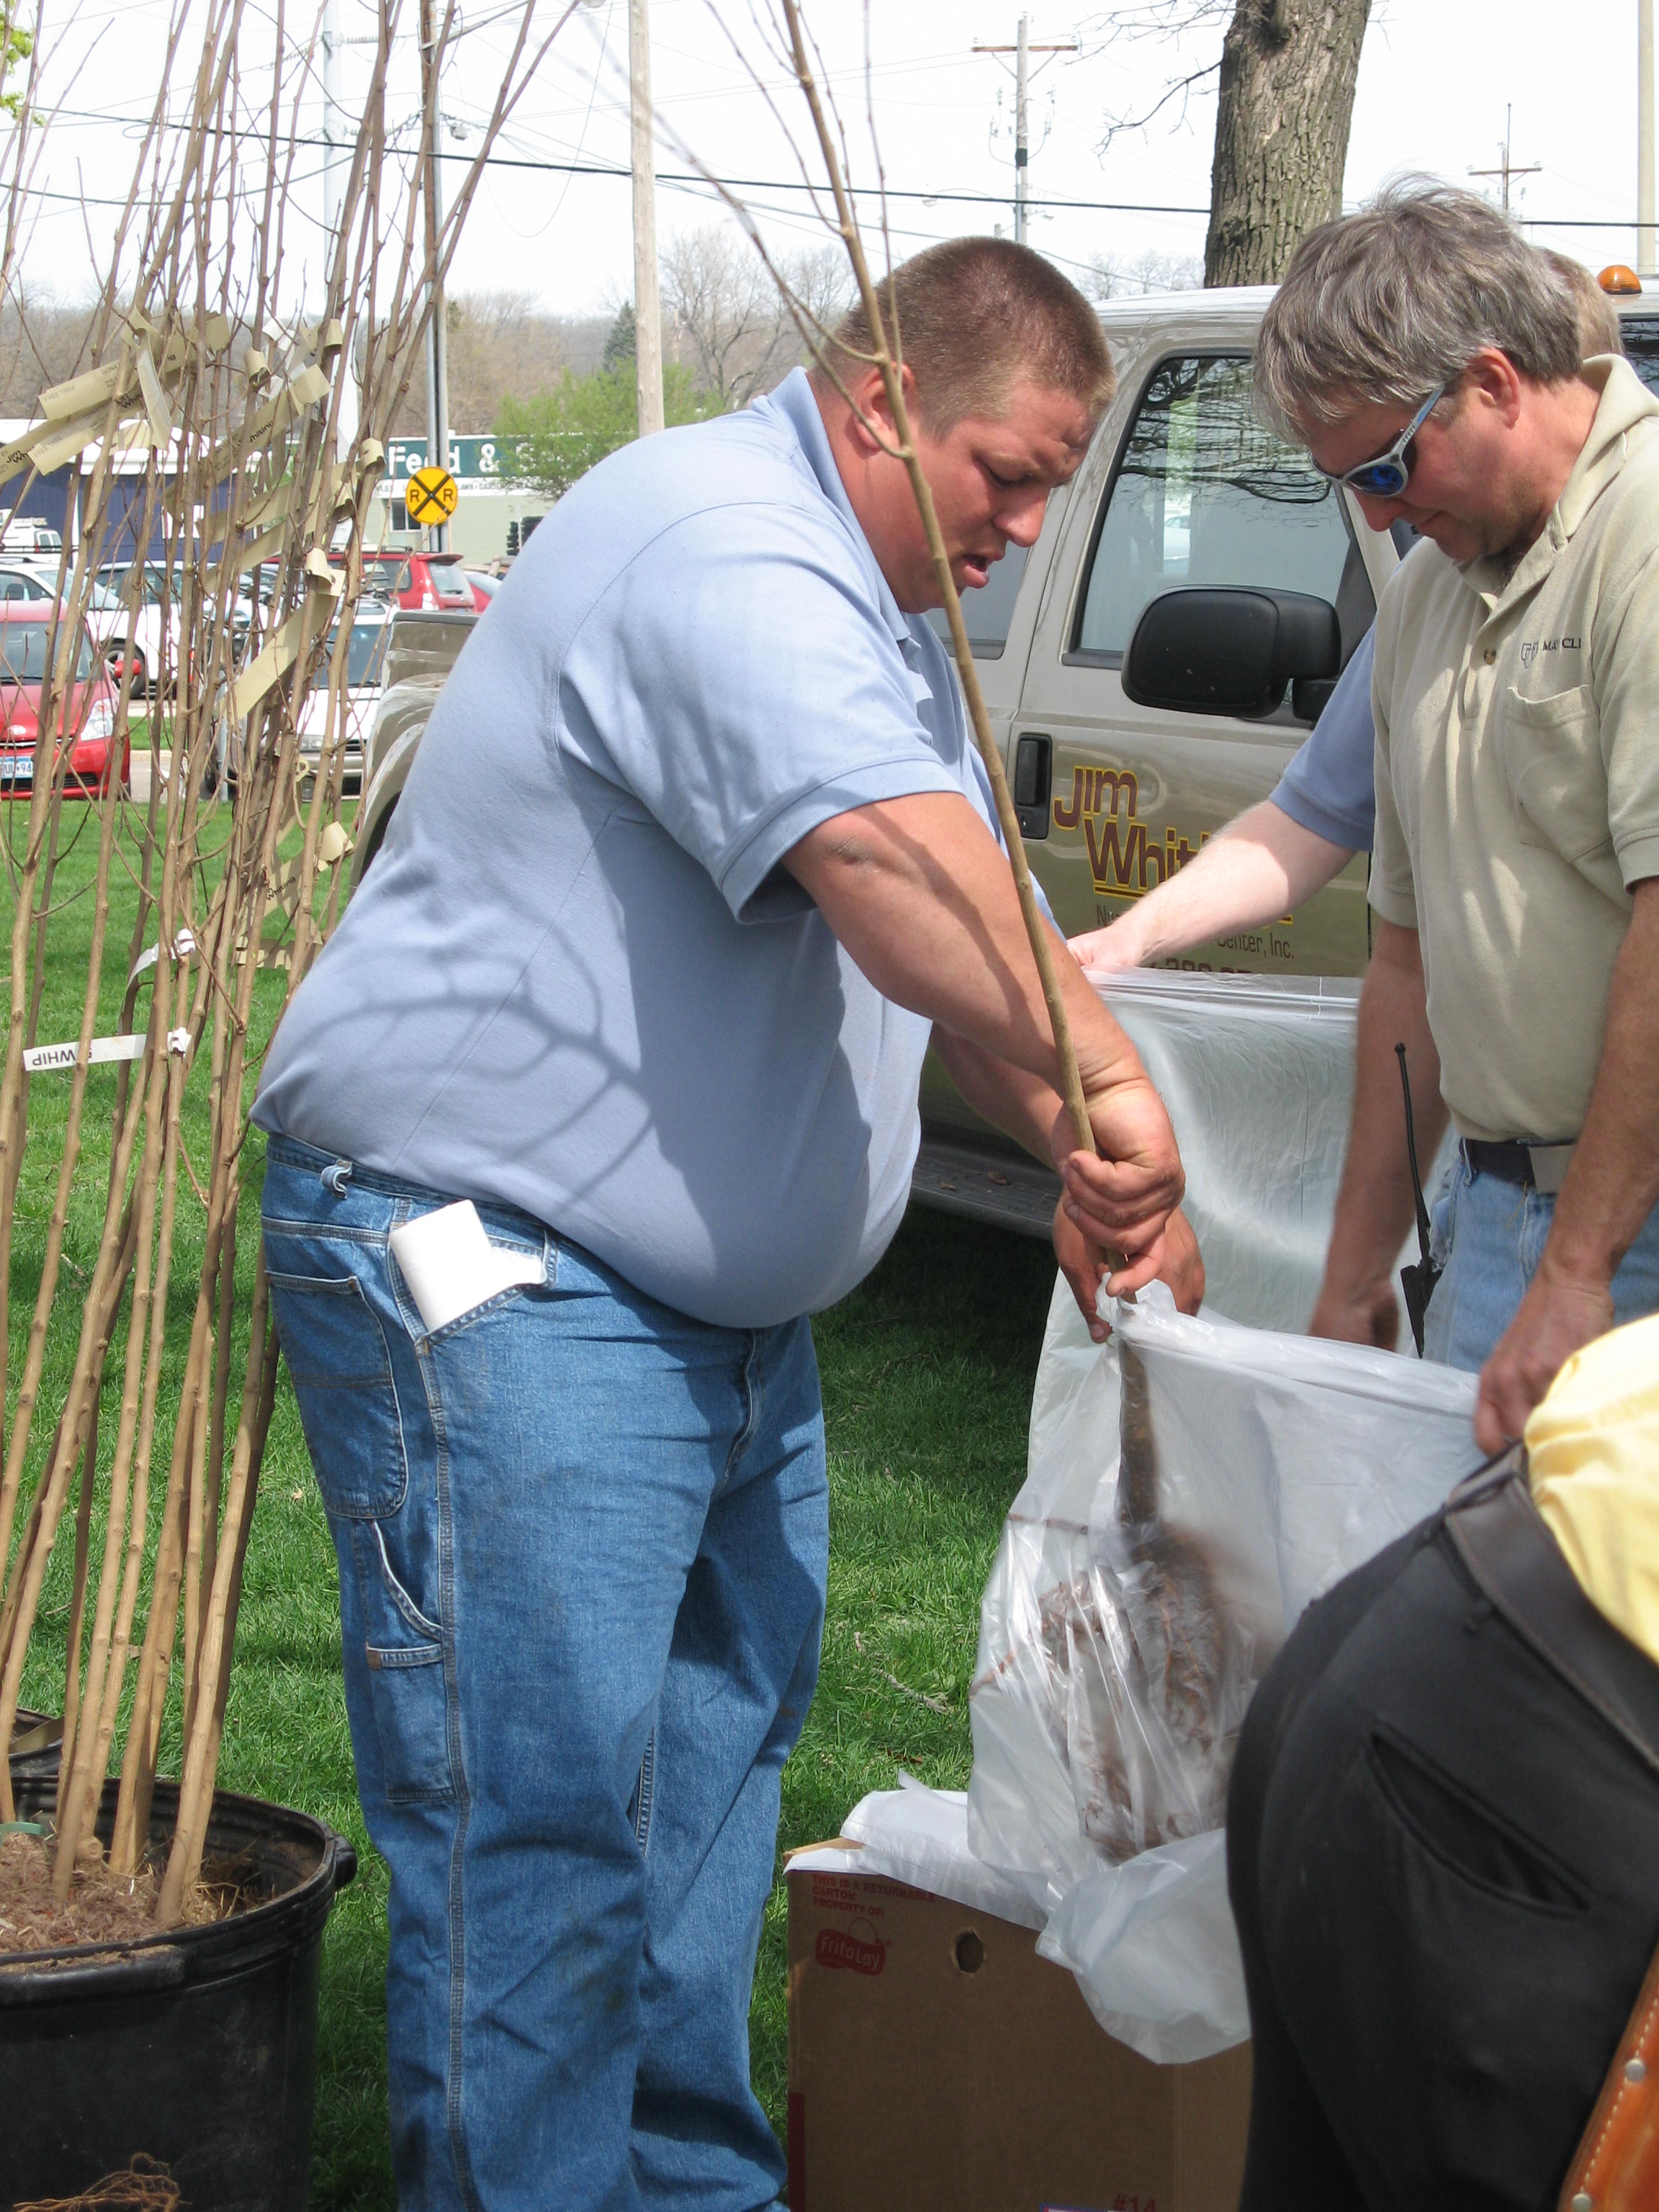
1182 489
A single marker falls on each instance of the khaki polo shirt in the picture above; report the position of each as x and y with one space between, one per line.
1517 778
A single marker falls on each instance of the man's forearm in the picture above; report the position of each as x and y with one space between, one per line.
1613 1184
1022 1105
1611 1189
1256 869
921 896
1374 1206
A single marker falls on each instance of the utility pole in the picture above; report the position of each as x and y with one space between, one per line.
647 312
1021 51
1508 168
437 336
1647 238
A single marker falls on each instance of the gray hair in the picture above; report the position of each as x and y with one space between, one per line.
1382 306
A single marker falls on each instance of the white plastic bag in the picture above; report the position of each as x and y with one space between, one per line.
1133 1607
1257 1074
917 1835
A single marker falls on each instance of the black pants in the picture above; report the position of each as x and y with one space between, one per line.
1443 1858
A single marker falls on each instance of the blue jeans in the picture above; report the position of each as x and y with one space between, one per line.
1489 1236
583 1543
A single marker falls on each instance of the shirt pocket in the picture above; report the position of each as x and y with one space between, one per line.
1552 755
337 1356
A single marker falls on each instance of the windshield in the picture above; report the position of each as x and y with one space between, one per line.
114 578
365 657
23 653
384 576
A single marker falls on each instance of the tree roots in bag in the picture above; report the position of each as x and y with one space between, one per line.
1146 1679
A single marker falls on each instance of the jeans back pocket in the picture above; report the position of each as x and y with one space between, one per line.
337 1353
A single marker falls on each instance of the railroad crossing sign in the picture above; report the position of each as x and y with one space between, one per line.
430 495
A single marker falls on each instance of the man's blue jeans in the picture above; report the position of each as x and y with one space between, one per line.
1489 1237
583 1543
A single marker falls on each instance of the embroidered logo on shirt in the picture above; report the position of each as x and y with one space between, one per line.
1531 647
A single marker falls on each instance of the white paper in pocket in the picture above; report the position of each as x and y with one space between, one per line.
451 1266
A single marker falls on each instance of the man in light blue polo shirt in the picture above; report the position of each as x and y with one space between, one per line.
695 856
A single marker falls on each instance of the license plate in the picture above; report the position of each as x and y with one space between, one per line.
16 771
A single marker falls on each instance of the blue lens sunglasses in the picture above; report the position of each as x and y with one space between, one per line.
1387 476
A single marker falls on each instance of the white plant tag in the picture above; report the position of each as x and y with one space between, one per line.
451 1266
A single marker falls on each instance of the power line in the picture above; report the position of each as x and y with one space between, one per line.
949 196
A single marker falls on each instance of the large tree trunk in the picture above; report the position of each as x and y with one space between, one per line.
1281 133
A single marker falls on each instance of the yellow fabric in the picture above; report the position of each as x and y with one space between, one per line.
1592 1451
1517 779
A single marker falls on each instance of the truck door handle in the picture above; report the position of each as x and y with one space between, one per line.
1033 769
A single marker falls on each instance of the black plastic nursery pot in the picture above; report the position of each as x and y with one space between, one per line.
196 2047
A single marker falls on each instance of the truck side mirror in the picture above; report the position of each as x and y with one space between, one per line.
1229 652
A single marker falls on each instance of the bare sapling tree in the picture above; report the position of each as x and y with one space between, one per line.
220 372
790 45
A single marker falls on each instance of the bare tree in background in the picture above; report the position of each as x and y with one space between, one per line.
43 340
728 322
1286 75
1108 277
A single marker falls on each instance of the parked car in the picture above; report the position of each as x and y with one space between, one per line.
1182 487
484 585
86 715
19 583
147 633
365 675
418 578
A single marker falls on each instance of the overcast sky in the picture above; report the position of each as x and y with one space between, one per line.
1435 78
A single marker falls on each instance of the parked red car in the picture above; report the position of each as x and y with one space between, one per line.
419 579
86 717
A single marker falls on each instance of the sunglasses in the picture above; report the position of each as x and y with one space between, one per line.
1387 476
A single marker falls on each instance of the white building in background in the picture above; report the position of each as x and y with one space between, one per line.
491 501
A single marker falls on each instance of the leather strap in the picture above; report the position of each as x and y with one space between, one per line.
1504 1541
1542 1168
1617 2165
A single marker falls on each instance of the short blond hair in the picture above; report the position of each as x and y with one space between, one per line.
975 316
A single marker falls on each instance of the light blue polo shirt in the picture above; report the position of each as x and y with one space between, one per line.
1329 785
576 978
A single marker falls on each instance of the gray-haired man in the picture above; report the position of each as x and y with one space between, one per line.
1430 358
1443 1826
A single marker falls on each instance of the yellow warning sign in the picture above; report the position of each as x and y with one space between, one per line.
430 496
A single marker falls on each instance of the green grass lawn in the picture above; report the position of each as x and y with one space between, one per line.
927 1370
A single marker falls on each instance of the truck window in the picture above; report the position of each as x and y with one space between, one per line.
988 612
1206 494
1640 334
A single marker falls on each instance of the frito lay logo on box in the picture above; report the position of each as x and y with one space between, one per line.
860 1954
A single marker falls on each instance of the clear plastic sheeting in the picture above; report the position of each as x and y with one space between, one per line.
1192 1487
1257 1074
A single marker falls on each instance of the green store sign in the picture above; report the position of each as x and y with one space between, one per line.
471 460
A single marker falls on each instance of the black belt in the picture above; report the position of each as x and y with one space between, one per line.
1506 1545
1532 1167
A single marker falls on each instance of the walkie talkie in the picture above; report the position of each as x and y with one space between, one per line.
1418 1280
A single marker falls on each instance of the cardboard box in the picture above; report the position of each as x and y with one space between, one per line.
936 2061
